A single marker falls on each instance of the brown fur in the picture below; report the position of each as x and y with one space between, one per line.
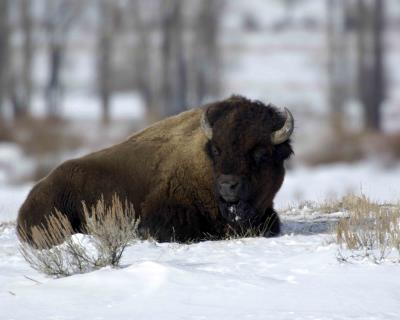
165 172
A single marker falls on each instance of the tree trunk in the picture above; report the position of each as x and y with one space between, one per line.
4 57
59 18
105 48
20 89
26 80
142 56
338 66
54 89
371 81
205 52
173 91
374 118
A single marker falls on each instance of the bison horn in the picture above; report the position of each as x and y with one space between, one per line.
205 125
284 133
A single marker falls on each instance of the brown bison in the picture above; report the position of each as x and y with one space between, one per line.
188 177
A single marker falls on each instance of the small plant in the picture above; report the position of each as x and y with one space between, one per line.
250 231
110 228
369 231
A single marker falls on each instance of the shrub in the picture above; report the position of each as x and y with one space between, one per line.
369 231
111 228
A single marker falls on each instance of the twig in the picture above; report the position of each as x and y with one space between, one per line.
38 282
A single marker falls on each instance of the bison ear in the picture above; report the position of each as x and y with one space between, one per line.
282 152
205 125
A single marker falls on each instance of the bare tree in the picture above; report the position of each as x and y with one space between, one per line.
205 59
4 55
27 27
21 77
173 90
59 17
183 68
338 60
190 63
143 55
105 51
370 48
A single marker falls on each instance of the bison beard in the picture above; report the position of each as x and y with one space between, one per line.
196 174
240 212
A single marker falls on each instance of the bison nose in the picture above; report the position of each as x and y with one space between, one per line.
229 187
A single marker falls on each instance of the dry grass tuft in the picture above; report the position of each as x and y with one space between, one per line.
347 203
111 229
370 230
250 231
58 229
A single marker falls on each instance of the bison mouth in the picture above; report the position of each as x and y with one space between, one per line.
237 212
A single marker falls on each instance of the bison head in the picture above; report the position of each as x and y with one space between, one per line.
247 144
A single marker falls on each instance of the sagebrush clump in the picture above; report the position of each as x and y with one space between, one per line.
110 228
370 230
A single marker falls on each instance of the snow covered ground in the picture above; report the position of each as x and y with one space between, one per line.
295 276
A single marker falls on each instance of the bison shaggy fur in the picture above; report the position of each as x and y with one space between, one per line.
184 183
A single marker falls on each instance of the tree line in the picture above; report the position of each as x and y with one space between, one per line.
173 53
172 49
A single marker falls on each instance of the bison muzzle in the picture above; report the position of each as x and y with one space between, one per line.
189 177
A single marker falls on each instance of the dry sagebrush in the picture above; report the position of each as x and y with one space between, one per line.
111 228
369 231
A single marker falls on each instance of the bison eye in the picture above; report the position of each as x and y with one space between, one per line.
260 155
215 151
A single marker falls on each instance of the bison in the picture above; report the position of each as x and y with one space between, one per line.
190 176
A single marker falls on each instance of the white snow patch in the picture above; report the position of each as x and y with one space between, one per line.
11 198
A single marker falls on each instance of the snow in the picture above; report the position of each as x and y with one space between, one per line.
291 277
11 198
